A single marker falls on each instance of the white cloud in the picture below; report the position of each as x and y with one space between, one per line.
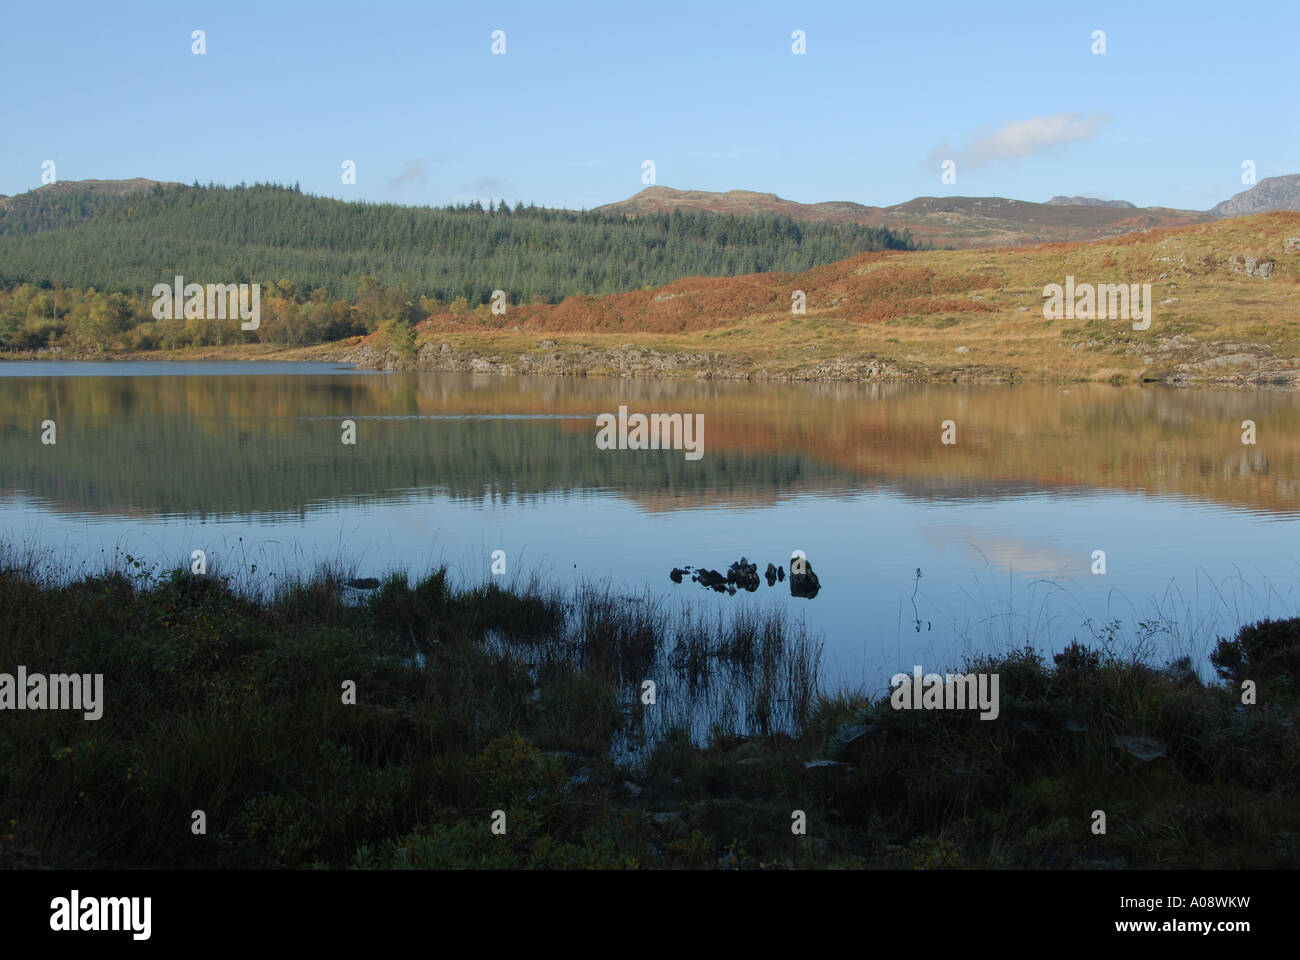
1020 138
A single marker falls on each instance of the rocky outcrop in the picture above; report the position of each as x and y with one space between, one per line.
1251 267
1089 202
624 361
1183 360
1271 193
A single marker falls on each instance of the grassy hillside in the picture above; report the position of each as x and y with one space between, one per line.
967 315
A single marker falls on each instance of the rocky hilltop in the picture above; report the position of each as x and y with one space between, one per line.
1089 202
1271 193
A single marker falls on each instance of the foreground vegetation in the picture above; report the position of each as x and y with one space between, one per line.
529 702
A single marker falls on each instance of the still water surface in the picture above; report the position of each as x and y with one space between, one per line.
245 461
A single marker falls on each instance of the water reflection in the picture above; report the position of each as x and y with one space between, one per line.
250 462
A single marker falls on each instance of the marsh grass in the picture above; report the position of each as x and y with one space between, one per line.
528 699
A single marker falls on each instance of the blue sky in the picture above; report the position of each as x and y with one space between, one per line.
712 93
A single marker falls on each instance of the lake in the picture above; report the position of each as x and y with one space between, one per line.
246 462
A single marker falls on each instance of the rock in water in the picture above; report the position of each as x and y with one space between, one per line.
743 574
803 584
711 579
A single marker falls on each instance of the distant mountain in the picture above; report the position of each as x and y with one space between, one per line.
943 221
1089 202
1271 193
738 203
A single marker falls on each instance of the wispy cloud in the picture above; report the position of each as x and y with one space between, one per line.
416 172
1020 138
484 186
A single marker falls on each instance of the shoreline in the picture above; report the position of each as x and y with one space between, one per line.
655 362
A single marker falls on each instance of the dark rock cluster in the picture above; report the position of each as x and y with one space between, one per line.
743 575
